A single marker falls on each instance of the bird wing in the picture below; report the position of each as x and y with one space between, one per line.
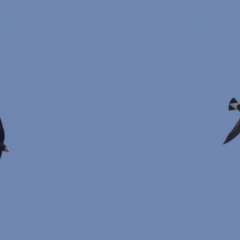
235 131
2 133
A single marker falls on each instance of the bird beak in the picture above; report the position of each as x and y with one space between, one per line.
6 149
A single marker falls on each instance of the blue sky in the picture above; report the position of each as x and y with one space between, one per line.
115 114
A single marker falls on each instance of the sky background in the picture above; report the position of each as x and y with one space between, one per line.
115 114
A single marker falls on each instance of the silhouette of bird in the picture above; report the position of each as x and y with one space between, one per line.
233 105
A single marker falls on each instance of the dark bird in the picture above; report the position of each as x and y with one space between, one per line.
233 105
3 147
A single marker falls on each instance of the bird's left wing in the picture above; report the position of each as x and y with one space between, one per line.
235 131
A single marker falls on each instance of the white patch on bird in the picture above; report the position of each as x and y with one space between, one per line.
234 105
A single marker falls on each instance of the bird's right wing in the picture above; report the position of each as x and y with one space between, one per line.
235 131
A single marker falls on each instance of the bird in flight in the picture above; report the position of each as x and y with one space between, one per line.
3 147
233 105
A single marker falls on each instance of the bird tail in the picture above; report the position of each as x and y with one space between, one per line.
231 103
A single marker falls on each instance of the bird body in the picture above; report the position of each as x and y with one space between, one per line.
233 105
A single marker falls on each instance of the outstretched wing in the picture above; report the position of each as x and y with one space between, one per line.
235 131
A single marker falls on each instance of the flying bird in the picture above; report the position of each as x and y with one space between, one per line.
233 105
3 147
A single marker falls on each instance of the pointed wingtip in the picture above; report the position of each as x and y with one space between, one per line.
226 141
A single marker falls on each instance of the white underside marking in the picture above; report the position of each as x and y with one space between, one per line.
234 105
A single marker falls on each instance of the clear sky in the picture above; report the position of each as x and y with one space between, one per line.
115 114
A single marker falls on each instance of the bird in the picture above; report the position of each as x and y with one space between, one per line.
3 147
233 105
